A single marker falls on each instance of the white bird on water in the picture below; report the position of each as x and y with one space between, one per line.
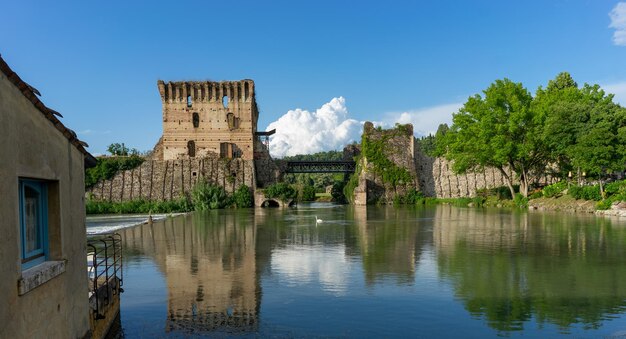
317 221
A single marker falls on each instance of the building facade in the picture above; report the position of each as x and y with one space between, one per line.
43 268
205 118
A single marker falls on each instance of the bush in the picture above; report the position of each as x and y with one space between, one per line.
501 192
337 192
615 187
585 192
308 193
554 190
520 201
281 191
205 196
242 198
412 197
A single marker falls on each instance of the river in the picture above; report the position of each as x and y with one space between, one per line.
436 271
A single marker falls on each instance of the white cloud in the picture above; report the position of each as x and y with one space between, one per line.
302 132
618 21
619 89
425 120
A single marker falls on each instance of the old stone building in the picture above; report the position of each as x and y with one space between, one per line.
205 118
43 290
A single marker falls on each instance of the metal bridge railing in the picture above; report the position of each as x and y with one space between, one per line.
105 270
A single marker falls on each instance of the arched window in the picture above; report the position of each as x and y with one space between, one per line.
196 120
225 101
191 148
189 101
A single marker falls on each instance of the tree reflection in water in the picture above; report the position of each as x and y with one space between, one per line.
511 267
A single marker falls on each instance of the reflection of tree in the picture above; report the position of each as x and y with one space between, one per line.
508 268
391 241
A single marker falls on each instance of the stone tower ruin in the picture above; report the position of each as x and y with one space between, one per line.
206 118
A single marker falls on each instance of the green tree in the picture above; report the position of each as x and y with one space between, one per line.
584 128
501 131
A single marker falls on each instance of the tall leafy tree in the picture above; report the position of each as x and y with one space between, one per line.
584 128
499 130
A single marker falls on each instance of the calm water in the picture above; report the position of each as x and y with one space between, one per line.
375 272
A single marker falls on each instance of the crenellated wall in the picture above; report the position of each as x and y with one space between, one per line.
201 118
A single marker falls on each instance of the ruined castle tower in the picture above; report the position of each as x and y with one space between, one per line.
201 118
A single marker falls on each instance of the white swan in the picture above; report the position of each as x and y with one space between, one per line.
317 221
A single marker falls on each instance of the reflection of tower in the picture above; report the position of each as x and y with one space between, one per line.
209 265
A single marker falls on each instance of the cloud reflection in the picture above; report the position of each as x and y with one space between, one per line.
327 266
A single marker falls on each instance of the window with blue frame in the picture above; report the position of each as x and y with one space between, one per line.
33 222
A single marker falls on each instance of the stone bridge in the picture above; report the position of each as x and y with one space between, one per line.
261 201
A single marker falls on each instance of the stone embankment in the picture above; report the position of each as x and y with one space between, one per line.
171 179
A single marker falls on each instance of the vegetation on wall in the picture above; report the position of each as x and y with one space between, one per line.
376 151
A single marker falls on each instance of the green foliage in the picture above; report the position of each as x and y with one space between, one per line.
308 193
337 192
520 201
498 130
242 198
206 196
584 128
585 192
412 197
138 206
500 192
107 167
282 191
554 190
434 145
376 153
118 149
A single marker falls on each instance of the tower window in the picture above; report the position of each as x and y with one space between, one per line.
189 101
196 120
191 148
225 101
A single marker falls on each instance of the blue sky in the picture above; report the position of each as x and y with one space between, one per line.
386 61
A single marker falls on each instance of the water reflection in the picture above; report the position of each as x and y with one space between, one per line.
384 271
210 269
509 268
391 241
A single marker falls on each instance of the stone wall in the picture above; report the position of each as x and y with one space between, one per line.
437 179
434 177
171 179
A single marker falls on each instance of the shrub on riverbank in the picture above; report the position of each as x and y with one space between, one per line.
282 191
206 196
242 198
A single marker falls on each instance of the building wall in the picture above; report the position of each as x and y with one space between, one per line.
221 129
32 147
172 179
